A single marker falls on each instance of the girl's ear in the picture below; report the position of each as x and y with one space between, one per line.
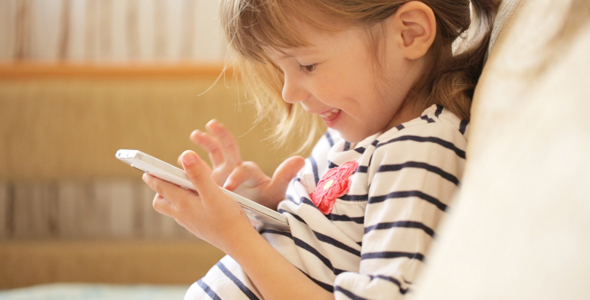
415 27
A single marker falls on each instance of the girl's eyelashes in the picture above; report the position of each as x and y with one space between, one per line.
307 68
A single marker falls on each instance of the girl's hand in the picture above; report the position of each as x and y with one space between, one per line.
243 178
223 149
249 181
215 217
209 214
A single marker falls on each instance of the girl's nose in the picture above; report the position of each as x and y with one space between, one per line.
293 92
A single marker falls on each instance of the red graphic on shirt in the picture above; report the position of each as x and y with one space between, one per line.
334 185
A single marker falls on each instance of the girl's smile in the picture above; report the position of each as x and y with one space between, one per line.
330 115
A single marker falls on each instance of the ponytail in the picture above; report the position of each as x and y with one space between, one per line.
450 81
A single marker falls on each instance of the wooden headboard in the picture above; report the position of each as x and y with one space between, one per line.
60 184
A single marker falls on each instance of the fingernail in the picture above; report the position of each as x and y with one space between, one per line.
228 185
189 159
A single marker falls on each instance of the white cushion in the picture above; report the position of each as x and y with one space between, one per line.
520 228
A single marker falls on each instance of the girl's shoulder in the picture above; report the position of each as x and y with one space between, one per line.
435 121
437 131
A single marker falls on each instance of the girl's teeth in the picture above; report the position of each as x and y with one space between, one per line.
330 113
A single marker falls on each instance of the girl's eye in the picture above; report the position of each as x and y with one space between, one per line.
307 68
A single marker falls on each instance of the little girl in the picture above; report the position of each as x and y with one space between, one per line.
364 208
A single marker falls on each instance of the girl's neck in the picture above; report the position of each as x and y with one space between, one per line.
411 109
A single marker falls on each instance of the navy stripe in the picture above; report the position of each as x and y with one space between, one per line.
355 198
208 290
336 243
325 286
321 237
277 232
346 146
400 127
348 293
329 138
420 165
407 194
314 167
439 109
291 197
303 245
427 119
332 165
429 139
293 214
362 169
400 224
237 282
307 201
463 126
392 254
392 280
345 218
360 150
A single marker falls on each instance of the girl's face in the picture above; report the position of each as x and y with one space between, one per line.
339 79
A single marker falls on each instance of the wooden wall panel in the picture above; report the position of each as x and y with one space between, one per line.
8 16
153 225
119 202
59 134
66 129
4 217
35 210
117 209
26 263
78 216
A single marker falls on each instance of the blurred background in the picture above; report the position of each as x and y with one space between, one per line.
80 79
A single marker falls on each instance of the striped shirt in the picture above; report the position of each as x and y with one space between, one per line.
374 242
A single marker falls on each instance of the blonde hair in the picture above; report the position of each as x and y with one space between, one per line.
253 26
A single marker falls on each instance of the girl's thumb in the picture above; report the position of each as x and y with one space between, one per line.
196 172
287 170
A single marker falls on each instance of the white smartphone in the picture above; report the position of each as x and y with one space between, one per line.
256 212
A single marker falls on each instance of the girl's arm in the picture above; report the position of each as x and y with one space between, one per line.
216 218
273 275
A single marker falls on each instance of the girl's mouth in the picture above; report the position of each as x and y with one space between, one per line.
330 115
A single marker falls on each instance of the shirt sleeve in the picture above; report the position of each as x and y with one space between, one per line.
412 178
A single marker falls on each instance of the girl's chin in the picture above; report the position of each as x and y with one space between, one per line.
351 135
349 132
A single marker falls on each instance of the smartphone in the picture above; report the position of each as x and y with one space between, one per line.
258 214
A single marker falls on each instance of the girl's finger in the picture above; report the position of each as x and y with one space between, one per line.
201 180
163 206
174 194
211 145
241 175
286 171
228 142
